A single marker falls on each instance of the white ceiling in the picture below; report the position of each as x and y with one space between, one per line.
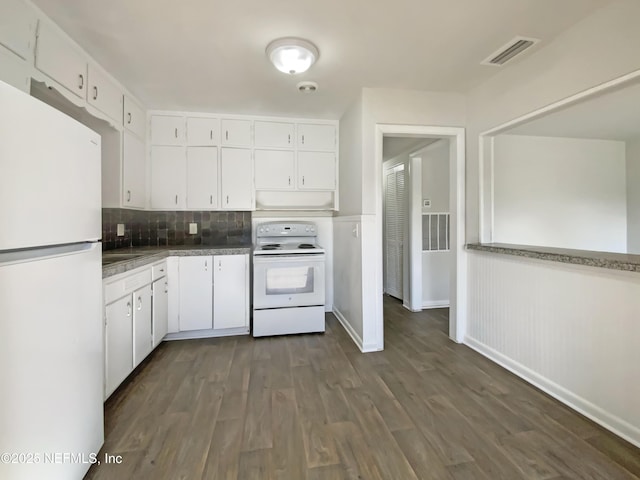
610 116
208 55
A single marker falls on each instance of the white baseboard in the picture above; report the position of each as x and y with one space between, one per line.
352 333
620 427
206 334
436 304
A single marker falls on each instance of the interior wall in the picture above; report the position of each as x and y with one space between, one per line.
633 196
435 186
560 192
359 145
556 70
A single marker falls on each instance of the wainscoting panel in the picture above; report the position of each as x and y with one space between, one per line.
573 331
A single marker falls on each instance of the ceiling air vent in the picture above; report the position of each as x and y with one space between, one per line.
509 51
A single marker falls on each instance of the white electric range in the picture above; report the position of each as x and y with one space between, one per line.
288 279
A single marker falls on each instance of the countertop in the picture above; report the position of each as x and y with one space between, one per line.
616 261
122 260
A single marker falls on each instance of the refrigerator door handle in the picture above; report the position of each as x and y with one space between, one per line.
8 257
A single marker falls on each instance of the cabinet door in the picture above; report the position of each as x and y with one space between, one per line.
202 178
230 291
316 137
236 132
104 94
196 293
142 338
236 179
274 134
18 28
203 131
167 130
134 118
168 178
61 60
316 171
14 70
134 172
118 343
159 310
274 169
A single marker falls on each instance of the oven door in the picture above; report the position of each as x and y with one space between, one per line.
288 281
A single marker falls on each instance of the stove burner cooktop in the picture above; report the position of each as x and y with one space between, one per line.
306 245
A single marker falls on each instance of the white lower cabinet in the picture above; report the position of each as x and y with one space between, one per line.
135 320
159 309
118 343
196 293
230 292
142 339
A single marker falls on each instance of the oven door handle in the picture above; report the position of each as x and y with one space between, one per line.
302 258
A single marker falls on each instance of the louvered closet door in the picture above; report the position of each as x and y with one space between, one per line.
394 230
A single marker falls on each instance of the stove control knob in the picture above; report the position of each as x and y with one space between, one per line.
260 230
266 229
306 229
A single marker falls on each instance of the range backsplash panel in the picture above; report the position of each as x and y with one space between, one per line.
144 228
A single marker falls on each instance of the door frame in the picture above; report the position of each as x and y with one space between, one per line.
457 206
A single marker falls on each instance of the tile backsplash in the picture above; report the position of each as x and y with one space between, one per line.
144 228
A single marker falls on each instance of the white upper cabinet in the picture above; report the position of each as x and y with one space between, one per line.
202 178
18 28
59 58
134 171
14 70
274 169
316 171
203 131
103 94
316 137
237 179
168 178
167 130
274 134
235 132
134 118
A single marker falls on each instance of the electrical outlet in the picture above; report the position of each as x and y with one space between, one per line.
426 203
120 230
193 228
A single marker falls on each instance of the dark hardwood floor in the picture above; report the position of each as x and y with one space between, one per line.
314 407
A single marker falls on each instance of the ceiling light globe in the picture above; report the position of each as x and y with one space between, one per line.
292 55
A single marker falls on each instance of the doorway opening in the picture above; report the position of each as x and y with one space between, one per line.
416 241
421 228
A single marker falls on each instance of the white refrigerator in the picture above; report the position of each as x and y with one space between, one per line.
51 334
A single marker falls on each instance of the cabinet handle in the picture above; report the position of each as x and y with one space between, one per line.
227 199
128 195
128 309
80 81
162 269
289 179
303 179
176 199
226 134
206 265
166 287
95 92
139 303
220 263
303 139
289 139
129 118
176 132
210 134
210 199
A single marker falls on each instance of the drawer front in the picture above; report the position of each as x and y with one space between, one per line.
125 286
159 270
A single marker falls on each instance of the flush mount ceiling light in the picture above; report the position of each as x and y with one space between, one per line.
292 55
